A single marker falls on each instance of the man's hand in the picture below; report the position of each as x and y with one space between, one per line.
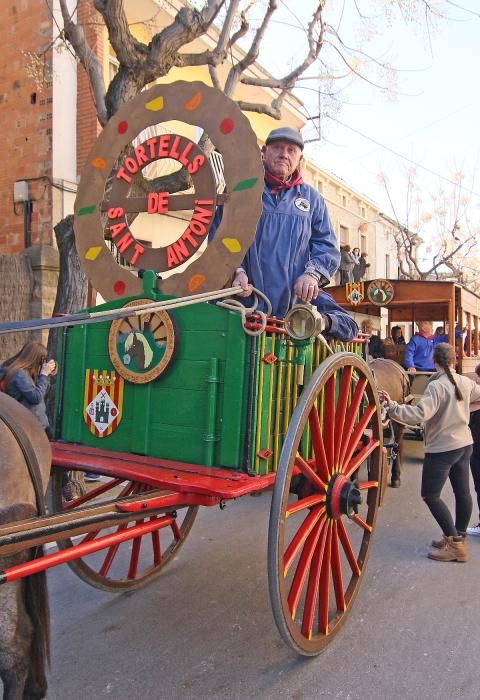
411 370
241 280
306 288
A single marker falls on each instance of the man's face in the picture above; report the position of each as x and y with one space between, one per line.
425 327
281 158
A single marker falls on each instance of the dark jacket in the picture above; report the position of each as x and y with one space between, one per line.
30 394
376 347
474 425
363 264
347 262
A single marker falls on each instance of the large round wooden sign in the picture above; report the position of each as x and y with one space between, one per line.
195 104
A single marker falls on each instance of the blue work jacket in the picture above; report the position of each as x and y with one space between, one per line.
293 230
419 353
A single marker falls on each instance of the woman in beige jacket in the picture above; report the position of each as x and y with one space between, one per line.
444 410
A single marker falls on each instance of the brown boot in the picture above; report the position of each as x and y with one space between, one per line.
451 551
440 544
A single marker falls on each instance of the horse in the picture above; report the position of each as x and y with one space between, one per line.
137 347
24 617
392 378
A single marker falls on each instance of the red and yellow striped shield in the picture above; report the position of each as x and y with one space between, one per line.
103 401
355 292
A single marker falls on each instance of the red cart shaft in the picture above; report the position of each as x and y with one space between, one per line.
81 550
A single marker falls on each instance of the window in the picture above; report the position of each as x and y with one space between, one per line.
343 235
344 201
362 211
320 186
387 265
363 244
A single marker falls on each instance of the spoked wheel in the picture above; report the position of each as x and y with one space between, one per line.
325 503
133 563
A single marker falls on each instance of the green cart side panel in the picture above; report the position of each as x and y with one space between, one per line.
169 417
197 410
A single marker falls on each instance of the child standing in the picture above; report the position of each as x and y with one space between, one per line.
444 410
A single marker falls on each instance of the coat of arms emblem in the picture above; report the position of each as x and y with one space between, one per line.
355 292
103 401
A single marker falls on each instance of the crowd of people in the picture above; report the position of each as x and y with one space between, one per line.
353 265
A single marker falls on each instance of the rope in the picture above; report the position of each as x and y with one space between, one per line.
138 310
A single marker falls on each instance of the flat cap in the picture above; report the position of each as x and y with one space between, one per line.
285 133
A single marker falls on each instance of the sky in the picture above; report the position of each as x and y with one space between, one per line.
432 117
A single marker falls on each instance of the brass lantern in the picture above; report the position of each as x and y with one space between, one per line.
304 321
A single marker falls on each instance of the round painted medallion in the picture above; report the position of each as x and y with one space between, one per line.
141 347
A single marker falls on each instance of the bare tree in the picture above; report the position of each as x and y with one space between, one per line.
433 234
234 41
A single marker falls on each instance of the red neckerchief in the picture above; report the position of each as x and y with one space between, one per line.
276 185
427 337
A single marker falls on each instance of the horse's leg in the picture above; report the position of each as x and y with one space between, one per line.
36 604
15 638
24 623
398 460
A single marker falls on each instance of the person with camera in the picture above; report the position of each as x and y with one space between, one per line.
26 377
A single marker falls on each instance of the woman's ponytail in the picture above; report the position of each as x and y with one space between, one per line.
443 356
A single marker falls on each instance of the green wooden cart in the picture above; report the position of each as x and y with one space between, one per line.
177 401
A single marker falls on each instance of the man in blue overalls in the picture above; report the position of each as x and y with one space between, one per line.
295 251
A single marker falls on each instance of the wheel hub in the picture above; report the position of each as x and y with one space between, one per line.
343 497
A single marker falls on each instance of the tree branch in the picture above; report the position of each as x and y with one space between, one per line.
252 54
75 35
260 108
241 31
189 24
128 50
287 83
214 77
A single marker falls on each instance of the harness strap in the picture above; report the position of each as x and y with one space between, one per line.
30 458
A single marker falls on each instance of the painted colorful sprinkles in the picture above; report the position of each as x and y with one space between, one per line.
98 211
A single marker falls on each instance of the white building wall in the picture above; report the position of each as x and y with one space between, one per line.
64 123
386 265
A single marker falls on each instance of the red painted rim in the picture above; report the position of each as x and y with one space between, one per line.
321 552
132 563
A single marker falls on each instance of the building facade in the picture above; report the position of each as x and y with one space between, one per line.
49 125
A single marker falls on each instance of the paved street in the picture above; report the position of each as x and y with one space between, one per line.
205 630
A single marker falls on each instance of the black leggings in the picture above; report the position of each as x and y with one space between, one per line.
475 469
437 467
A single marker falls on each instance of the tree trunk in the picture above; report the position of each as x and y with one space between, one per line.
71 290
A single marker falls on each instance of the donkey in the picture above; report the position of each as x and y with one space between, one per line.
391 377
24 617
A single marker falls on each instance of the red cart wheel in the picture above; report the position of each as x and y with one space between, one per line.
325 503
130 564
